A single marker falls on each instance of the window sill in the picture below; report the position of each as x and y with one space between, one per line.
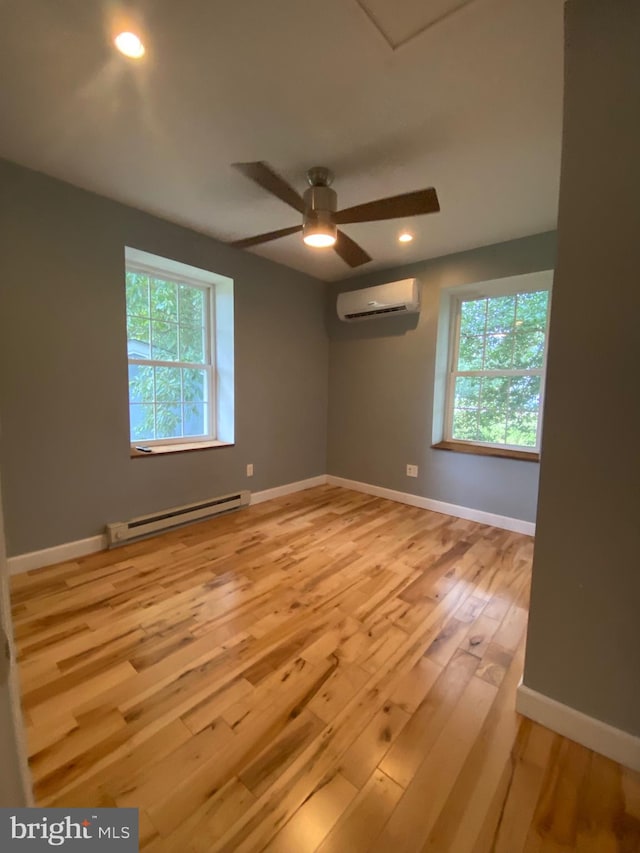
162 449
478 450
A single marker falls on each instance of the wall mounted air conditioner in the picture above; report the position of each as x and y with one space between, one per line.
384 300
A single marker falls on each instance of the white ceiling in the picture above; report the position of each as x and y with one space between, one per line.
392 95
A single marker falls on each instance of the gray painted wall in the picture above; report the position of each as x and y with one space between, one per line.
64 447
583 645
381 381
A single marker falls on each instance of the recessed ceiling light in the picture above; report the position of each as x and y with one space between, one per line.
405 237
130 45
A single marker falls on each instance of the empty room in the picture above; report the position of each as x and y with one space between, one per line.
318 412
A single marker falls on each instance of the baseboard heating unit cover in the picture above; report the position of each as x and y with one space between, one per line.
121 531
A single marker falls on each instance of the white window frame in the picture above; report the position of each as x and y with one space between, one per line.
486 290
175 273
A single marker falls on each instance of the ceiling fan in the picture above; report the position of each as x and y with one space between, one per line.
318 207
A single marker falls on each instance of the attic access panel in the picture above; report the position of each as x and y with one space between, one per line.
403 20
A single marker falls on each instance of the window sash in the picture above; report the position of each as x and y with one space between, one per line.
453 374
208 365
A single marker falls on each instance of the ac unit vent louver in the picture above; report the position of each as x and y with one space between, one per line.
122 531
374 313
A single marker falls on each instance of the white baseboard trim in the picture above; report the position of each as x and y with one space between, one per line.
288 489
616 744
56 554
503 521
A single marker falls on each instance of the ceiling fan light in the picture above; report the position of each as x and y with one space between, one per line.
318 228
130 45
319 241
319 234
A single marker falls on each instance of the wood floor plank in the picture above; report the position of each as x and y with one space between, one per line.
478 794
213 706
529 759
556 818
132 767
71 692
48 734
327 671
356 830
604 826
338 690
421 732
198 832
315 818
277 755
373 743
426 794
415 685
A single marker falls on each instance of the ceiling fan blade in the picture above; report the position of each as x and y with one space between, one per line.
349 251
265 177
264 238
394 207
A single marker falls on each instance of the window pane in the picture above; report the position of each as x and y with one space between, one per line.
194 383
495 391
140 384
492 417
528 350
465 425
492 426
532 309
137 294
168 384
164 341
191 301
524 394
192 344
142 421
473 315
498 351
522 429
501 313
164 300
138 337
470 353
524 402
168 420
195 419
467 392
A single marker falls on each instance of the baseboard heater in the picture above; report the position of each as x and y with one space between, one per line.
121 531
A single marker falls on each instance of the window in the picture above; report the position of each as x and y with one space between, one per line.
496 363
172 350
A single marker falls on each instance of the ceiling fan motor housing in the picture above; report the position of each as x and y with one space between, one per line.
320 204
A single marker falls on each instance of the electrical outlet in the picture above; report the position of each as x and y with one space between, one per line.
412 470
250 469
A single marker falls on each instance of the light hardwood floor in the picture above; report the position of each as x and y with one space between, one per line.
325 672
